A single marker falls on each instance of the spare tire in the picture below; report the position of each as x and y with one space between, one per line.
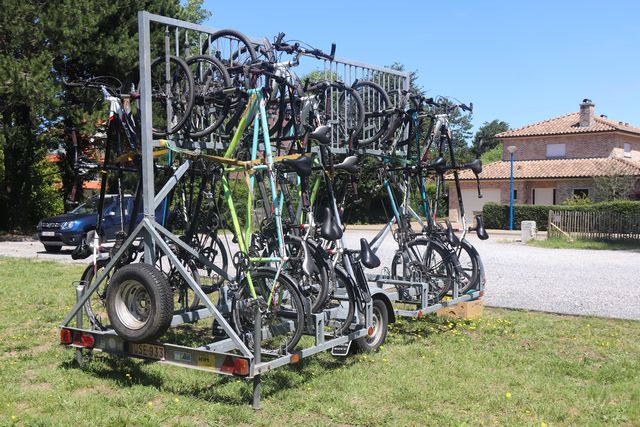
139 302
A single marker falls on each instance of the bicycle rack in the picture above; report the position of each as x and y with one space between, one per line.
230 356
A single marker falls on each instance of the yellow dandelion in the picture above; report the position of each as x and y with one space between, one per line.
150 403
543 424
176 400
508 395
13 417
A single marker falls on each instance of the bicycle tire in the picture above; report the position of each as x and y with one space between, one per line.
207 114
376 122
183 103
431 260
469 265
403 130
342 300
342 109
288 310
95 307
314 288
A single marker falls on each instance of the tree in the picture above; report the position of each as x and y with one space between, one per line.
614 186
487 134
42 43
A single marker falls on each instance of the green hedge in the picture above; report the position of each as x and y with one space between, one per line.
496 215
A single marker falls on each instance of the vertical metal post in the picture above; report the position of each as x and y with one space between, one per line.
146 137
257 343
79 292
511 194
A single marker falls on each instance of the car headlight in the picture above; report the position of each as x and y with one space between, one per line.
68 225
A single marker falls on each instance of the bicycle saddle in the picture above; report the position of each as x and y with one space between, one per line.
440 165
476 166
451 236
302 165
322 134
330 230
480 230
349 165
367 257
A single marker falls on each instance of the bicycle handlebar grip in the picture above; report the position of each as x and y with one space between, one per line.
333 51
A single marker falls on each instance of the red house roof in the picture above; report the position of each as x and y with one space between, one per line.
568 124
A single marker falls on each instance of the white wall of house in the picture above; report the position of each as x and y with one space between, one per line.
473 204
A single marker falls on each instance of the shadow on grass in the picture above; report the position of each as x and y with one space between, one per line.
223 389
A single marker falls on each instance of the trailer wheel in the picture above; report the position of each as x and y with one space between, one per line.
139 302
380 327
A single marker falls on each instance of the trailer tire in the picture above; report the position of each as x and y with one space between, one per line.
139 302
367 343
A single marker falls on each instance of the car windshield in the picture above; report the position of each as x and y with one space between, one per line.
90 206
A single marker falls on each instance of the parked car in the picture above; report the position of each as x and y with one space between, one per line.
80 224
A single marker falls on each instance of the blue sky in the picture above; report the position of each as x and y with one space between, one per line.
517 61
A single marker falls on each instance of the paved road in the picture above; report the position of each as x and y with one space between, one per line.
600 283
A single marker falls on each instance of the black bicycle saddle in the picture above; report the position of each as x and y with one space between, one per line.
322 134
367 257
330 230
349 165
302 165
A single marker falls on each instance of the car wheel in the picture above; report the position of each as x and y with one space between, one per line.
52 249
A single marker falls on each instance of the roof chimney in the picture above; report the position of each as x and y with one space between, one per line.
586 113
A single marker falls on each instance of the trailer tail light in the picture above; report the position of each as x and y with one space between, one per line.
84 340
235 366
65 336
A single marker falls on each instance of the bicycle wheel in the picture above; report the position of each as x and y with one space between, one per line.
376 121
184 299
211 246
95 308
340 304
172 95
341 108
403 130
208 112
282 310
315 286
425 261
469 269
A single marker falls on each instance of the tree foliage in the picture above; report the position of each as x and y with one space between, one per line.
43 43
485 138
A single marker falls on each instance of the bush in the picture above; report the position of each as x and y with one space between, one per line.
496 215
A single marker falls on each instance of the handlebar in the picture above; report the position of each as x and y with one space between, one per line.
280 45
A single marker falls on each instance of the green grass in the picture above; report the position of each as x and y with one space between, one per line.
557 243
510 368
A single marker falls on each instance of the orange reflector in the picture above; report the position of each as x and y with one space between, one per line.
370 331
295 358
65 336
241 367
419 313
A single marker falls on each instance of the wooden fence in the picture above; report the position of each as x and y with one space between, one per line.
594 225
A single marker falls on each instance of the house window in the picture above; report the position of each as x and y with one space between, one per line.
627 150
581 192
555 151
515 194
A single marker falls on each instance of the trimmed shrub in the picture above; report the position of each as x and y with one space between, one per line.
496 215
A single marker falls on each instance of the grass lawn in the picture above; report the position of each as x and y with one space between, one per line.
557 243
511 368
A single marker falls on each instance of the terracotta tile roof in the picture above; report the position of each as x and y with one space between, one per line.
567 124
557 168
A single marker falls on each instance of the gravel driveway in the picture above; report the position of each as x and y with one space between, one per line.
587 282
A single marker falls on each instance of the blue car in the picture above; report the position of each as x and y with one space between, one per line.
80 224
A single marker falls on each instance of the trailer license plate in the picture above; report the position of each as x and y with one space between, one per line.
48 233
148 350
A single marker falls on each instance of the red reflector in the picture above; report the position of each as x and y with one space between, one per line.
65 336
241 367
295 358
84 340
228 365
419 313
370 331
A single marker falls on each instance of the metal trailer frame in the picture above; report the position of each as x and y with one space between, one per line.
230 356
